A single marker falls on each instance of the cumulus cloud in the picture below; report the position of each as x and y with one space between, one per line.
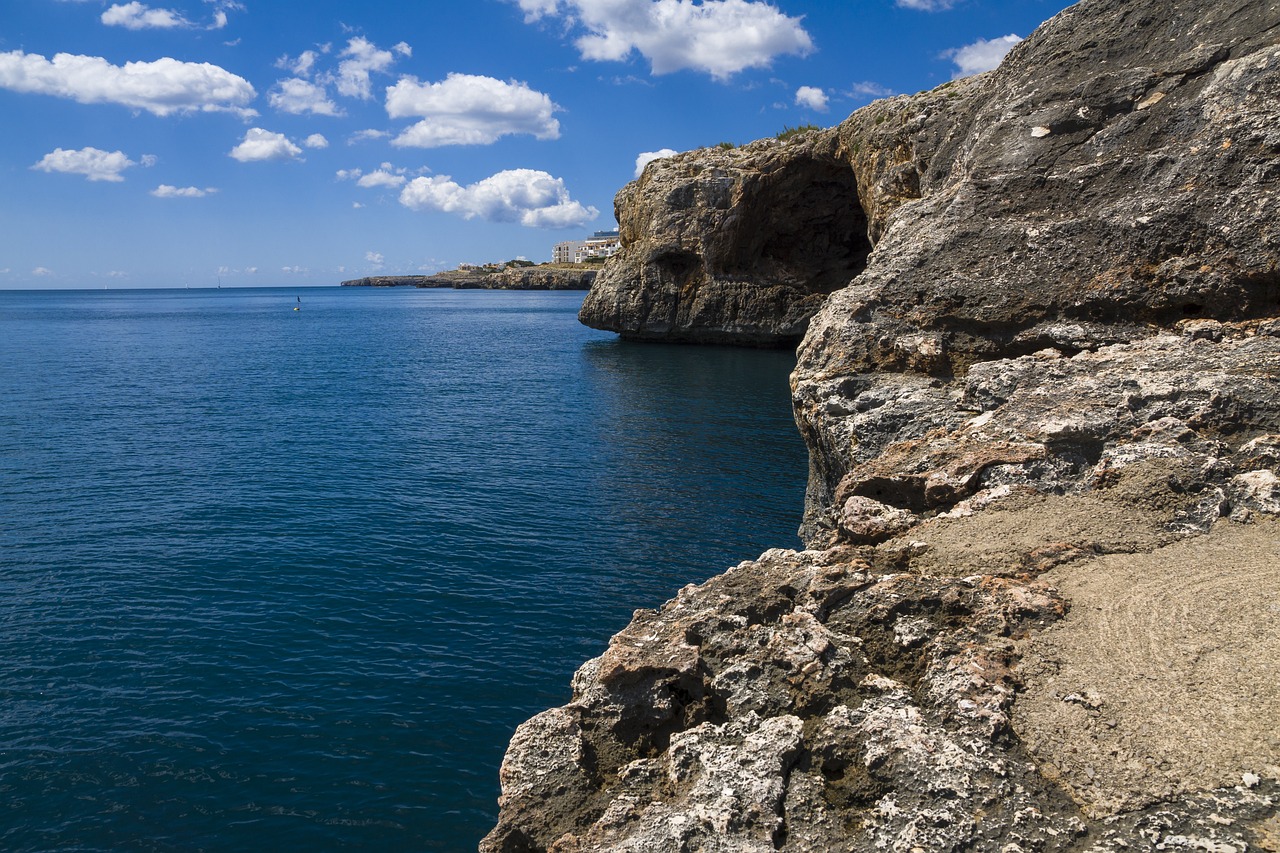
982 55
94 163
381 178
259 144
811 97
316 140
308 90
136 16
162 87
468 109
361 57
298 96
533 198
720 37
644 158
167 191
374 258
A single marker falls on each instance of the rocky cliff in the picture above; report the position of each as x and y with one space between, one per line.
1038 608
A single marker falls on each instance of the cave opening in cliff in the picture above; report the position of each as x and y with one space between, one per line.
804 227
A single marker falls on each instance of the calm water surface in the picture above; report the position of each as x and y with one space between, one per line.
277 578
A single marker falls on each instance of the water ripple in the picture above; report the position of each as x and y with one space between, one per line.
292 578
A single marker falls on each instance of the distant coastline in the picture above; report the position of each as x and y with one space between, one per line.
509 276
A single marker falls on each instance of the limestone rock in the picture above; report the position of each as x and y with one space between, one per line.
1058 425
733 245
1151 203
809 701
1044 431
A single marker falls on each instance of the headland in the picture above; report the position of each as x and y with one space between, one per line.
509 276
1038 324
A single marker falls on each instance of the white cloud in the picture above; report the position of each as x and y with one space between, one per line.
316 140
220 12
982 55
535 199
927 5
94 163
294 270
868 89
381 178
167 191
362 58
162 87
259 144
721 37
367 136
535 9
467 109
374 258
300 67
385 175
42 271
644 158
298 96
812 97
136 16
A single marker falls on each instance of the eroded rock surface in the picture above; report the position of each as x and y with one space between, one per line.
1038 609
846 700
735 245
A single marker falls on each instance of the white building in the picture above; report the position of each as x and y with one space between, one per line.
564 253
602 244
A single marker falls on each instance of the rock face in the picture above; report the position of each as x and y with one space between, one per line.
732 246
1037 610
1070 209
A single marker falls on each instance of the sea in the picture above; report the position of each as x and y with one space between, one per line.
285 568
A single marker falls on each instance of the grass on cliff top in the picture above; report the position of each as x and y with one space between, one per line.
788 132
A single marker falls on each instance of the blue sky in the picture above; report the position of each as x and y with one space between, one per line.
187 142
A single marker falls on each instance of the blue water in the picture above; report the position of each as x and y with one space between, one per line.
290 579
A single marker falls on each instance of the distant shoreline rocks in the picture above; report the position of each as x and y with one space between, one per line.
534 277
